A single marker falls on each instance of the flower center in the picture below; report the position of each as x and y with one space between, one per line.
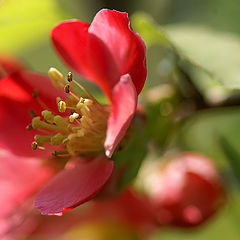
80 127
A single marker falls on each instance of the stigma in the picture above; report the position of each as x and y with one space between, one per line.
78 128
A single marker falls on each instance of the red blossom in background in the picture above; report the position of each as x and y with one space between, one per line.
186 191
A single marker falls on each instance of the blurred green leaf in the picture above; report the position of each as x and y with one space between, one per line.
188 71
216 51
25 22
149 31
128 160
200 132
231 154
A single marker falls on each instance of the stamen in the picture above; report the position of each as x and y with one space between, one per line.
41 103
41 140
57 139
34 145
60 121
84 90
67 88
62 106
61 154
82 132
69 77
48 116
73 117
56 77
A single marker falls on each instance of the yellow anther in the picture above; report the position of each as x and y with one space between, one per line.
48 116
79 105
60 121
57 139
88 102
73 117
34 145
81 100
62 106
36 122
56 77
69 77
41 139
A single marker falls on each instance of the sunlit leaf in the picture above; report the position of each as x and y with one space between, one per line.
216 51
185 47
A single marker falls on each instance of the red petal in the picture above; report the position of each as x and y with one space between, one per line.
85 53
74 186
123 110
70 40
30 81
126 47
20 177
15 102
9 65
104 51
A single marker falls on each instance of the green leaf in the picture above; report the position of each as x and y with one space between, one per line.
216 51
134 149
149 31
200 132
231 154
186 49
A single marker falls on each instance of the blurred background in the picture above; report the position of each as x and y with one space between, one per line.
192 89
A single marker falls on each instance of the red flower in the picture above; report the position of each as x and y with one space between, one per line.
186 191
20 178
109 53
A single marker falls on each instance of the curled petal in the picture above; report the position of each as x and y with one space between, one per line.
126 47
85 53
123 109
74 186
103 51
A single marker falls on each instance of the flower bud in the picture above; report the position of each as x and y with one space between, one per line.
185 191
